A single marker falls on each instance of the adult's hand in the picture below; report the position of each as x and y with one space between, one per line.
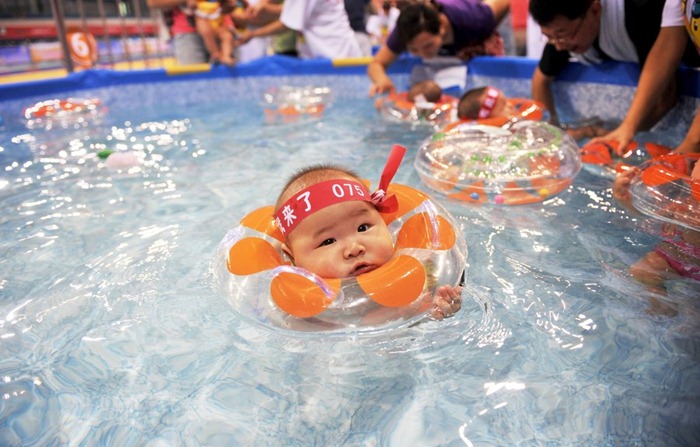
623 135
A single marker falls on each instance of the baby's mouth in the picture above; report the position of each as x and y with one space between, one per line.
361 268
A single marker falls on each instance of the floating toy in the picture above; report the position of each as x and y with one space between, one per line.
521 109
288 103
525 162
397 107
63 111
262 285
54 107
665 190
121 159
602 159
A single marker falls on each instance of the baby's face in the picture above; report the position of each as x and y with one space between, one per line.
501 108
425 44
341 240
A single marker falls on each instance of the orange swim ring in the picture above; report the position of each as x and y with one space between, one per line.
523 109
397 107
290 103
664 189
59 107
601 158
525 162
262 285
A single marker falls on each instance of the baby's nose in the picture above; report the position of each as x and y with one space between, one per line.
354 249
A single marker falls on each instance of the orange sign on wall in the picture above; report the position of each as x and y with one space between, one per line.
83 48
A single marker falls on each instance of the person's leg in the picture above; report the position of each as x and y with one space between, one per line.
209 36
226 38
653 270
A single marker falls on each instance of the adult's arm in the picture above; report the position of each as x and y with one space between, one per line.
500 8
376 70
263 13
658 71
274 27
691 142
542 92
165 4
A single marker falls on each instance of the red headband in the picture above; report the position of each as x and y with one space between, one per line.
489 102
329 192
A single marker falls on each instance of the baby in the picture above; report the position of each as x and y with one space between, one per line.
341 237
676 255
490 102
483 102
425 91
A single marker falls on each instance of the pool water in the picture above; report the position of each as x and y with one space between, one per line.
112 331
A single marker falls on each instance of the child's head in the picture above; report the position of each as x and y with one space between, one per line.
331 227
431 91
483 102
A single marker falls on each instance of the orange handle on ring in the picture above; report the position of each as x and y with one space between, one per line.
397 283
252 255
425 231
301 297
262 221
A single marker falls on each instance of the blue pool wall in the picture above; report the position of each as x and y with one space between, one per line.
604 91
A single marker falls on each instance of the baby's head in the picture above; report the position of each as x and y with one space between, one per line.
483 102
431 91
330 225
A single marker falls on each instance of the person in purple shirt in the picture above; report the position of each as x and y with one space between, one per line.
461 28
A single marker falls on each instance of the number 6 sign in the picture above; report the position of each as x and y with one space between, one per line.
83 48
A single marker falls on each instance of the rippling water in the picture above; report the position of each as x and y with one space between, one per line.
111 332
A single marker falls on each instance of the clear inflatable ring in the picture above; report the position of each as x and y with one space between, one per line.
261 285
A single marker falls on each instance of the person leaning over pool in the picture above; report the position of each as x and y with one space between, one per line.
323 28
463 28
343 238
594 31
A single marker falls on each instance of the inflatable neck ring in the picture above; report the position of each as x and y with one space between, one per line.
526 162
664 190
397 107
263 287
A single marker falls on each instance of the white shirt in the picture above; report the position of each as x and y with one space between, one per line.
673 13
325 28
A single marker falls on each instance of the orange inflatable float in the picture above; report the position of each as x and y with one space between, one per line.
397 107
63 112
601 159
522 109
525 162
664 189
289 104
262 285
59 107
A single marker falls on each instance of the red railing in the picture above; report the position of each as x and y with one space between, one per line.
19 30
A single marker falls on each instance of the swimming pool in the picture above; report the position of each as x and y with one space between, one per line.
111 332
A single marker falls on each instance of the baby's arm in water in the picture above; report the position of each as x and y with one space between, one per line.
621 188
448 301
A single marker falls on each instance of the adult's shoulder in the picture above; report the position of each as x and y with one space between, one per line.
470 14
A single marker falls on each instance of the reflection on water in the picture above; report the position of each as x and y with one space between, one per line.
110 332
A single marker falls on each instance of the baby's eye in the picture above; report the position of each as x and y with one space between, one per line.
362 228
328 241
